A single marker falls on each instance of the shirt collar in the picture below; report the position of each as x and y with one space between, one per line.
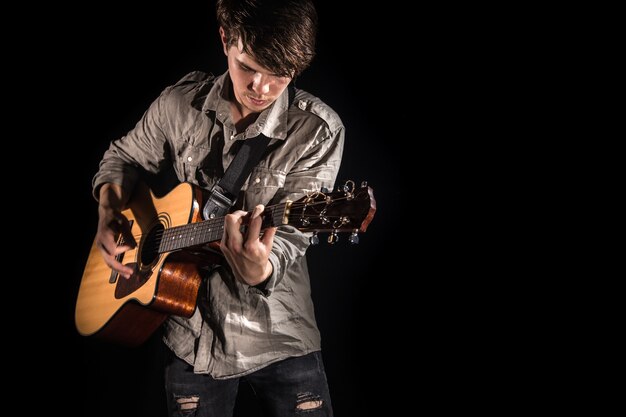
272 122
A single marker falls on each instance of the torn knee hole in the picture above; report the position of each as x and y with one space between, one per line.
308 401
188 403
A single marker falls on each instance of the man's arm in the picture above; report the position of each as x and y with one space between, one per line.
144 147
316 169
265 259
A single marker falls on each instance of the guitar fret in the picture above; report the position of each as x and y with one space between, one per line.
205 227
163 246
185 238
193 236
199 233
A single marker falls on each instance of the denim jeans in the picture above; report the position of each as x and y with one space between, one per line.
292 387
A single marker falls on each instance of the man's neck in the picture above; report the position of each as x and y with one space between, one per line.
239 117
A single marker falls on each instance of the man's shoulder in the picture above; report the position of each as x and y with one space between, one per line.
193 81
195 77
308 103
192 89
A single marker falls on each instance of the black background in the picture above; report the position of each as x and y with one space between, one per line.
94 75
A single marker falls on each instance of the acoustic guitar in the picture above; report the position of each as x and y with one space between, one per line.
173 246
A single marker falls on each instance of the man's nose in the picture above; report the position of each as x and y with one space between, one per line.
260 83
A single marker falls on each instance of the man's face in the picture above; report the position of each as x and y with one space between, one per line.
255 87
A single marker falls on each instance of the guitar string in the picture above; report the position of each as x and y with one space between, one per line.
276 216
201 228
275 219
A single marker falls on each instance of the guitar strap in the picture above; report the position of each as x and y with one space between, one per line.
224 193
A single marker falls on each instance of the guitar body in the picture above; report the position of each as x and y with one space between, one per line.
128 311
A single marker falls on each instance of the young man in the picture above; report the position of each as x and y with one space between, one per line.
257 320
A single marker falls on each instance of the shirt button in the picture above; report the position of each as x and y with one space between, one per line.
257 180
189 158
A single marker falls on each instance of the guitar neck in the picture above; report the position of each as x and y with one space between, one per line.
212 230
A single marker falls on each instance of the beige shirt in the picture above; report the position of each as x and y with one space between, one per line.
187 135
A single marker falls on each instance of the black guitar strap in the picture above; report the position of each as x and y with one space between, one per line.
224 193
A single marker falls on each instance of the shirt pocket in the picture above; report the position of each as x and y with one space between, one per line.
194 161
262 185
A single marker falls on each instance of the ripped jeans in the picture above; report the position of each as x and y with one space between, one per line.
294 387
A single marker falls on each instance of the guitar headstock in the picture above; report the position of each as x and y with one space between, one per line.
348 209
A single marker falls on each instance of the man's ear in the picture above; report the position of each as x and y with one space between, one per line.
224 40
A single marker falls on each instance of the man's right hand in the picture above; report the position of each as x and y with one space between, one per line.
111 224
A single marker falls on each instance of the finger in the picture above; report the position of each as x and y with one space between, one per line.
103 248
224 244
111 247
254 227
238 213
118 267
122 269
121 249
127 235
109 255
232 230
108 245
121 226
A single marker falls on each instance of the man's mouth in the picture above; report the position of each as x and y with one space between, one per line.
257 101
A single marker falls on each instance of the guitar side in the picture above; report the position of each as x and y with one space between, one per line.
128 311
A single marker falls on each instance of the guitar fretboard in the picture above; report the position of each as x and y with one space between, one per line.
212 230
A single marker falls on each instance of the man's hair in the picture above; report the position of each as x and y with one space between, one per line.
278 34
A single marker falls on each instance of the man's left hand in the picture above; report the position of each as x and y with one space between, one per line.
248 254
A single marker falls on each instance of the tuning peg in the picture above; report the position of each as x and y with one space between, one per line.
354 238
332 237
314 240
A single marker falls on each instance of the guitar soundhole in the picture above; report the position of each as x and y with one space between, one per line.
150 247
148 254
